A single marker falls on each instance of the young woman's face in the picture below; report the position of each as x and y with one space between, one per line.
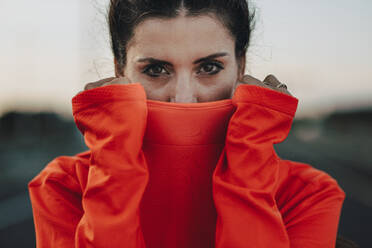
184 59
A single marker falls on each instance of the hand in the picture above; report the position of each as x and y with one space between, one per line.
270 82
106 81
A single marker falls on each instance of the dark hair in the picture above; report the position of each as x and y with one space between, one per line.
124 15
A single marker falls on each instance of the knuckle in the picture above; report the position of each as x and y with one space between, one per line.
275 79
269 79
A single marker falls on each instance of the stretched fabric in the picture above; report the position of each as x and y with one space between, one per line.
161 174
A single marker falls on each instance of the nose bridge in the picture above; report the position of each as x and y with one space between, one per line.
184 88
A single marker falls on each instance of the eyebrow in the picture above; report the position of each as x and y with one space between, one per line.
209 57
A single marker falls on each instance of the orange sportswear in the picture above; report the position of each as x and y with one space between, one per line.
183 175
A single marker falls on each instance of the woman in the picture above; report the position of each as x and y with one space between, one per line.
181 144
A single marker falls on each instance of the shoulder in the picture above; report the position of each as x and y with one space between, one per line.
303 184
66 170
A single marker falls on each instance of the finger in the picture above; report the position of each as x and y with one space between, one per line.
271 80
105 80
93 85
248 79
283 90
119 80
96 84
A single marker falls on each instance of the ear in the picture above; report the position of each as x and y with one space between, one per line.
241 67
118 70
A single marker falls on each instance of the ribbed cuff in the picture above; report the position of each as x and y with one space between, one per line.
114 92
266 97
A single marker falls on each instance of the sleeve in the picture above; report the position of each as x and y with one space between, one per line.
112 119
55 196
247 173
312 210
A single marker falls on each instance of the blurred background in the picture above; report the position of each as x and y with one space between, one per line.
321 49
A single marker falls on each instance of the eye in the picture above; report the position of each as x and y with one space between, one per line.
155 70
211 68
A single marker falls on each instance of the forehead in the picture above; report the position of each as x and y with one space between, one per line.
182 35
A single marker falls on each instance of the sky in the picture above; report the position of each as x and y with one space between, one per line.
321 49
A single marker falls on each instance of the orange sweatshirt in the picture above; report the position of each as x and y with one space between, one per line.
162 175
